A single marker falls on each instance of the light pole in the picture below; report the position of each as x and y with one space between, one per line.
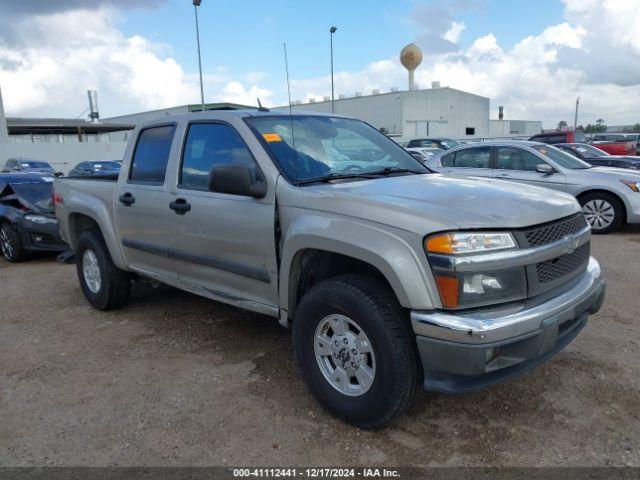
196 4
575 119
332 30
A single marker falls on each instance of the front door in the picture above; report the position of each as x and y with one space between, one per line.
519 165
226 242
141 200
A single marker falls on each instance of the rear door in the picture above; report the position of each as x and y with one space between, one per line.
141 199
226 242
471 162
519 165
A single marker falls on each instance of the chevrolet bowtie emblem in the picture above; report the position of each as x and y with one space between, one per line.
571 243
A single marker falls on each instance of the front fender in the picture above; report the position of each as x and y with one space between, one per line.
397 254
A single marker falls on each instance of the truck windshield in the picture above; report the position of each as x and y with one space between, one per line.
309 147
561 158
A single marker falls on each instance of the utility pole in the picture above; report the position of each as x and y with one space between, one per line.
575 119
332 30
196 4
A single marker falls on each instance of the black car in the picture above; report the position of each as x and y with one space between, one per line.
27 165
27 221
598 158
433 142
95 168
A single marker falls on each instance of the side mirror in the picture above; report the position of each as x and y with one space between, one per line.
417 156
236 180
16 168
58 174
544 168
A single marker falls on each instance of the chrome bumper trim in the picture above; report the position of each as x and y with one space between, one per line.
486 326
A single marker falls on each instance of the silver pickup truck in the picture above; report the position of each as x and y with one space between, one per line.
392 278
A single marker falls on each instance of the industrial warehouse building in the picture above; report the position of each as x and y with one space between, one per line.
435 112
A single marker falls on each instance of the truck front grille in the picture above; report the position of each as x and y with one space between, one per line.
552 232
559 267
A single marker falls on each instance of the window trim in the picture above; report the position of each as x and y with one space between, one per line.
135 148
185 137
542 160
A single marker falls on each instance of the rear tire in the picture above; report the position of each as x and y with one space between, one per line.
392 373
604 212
11 244
104 285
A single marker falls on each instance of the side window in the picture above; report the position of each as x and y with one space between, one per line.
473 158
511 158
447 160
152 154
209 145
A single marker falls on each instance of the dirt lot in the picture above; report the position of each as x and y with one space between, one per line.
173 379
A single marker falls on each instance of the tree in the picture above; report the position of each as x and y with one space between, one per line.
599 122
562 124
580 127
636 128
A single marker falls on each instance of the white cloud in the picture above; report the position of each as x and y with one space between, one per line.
77 50
454 32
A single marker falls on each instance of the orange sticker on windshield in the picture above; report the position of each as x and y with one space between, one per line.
272 137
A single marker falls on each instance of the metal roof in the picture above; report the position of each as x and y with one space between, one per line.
26 126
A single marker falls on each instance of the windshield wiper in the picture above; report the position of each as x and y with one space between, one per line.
334 176
391 170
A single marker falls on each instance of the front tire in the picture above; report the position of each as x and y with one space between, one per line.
604 212
356 350
11 244
104 285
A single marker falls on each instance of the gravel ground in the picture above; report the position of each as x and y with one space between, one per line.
174 379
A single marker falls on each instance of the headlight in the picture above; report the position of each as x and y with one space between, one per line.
462 289
40 219
635 186
454 243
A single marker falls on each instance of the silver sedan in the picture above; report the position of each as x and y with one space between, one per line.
609 196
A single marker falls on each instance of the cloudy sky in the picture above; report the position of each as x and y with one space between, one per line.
533 57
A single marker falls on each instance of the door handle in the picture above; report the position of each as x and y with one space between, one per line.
127 199
180 206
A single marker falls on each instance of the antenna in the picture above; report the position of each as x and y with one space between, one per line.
260 107
293 141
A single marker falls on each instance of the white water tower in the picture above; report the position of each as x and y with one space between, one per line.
410 58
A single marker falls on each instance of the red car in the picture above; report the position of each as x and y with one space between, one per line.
613 144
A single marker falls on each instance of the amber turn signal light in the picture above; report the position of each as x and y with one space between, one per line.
448 289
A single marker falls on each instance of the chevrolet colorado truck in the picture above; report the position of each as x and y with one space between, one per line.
391 277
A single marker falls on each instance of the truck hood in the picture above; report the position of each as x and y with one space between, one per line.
433 202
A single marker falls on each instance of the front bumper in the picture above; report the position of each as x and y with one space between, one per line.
633 207
41 237
468 351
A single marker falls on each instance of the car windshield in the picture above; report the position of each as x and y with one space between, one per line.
34 164
563 159
330 147
107 166
449 143
588 150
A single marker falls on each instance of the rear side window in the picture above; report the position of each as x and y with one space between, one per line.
473 158
209 145
447 160
152 154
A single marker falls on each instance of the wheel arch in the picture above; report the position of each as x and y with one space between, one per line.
79 222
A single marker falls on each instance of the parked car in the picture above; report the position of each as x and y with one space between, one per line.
423 153
432 142
609 196
96 168
599 158
569 136
27 222
614 143
27 165
391 278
